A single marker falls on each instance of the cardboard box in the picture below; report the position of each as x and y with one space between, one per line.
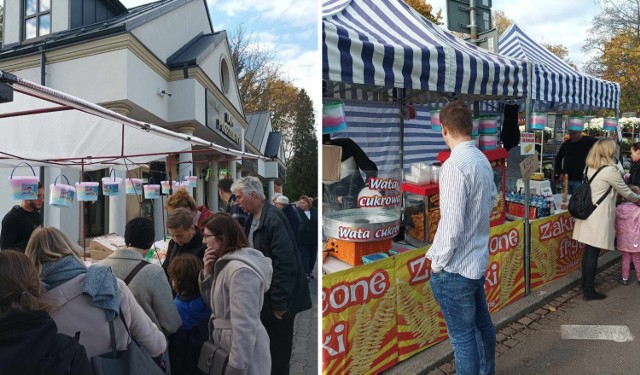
103 246
331 159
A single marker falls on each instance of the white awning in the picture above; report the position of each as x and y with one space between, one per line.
43 126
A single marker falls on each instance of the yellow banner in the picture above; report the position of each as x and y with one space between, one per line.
420 323
378 314
504 277
359 319
553 252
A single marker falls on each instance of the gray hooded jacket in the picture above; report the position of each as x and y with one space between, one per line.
235 291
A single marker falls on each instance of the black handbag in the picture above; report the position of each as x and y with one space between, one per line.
132 361
213 359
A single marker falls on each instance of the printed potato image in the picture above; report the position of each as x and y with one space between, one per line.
528 148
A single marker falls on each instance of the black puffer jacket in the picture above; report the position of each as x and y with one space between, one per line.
30 344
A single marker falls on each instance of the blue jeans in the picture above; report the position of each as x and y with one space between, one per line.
471 331
573 185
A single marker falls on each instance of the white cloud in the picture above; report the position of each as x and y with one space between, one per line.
552 21
288 12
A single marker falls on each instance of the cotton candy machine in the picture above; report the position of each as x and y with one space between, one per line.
367 223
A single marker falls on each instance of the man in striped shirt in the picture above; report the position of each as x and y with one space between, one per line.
460 254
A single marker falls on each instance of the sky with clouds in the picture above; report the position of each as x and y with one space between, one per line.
552 21
288 27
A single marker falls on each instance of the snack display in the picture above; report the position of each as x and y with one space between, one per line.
538 120
61 195
435 120
24 187
488 124
87 191
134 186
333 117
191 181
575 123
488 141
151 191
111 186
422 213
610 124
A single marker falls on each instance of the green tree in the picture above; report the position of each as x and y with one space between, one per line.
426 10
302 168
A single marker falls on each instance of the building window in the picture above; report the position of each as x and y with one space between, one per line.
224 76
37 18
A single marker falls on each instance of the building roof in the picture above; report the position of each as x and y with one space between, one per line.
197 49
125 22
257 129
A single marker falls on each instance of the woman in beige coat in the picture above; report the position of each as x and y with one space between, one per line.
82 299
233 283
598 231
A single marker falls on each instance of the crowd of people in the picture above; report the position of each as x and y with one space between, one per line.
236 279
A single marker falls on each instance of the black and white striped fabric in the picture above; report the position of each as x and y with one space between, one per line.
386 43
555 84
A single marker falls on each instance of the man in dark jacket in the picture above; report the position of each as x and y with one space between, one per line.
18 223
269 231
308 234
224 191
186 238
572 156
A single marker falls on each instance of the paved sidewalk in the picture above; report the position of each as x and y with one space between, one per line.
304 359
512 322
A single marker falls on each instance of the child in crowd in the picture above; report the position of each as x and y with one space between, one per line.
185 345
628 236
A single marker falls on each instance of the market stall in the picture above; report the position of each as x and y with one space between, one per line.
387 54
45 127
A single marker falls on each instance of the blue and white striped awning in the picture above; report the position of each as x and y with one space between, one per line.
385 43
555 84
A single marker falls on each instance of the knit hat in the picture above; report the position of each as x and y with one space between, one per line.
139 232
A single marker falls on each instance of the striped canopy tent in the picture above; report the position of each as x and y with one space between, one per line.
555 84
378 46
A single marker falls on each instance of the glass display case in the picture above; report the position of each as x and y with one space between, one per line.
497 158
421 213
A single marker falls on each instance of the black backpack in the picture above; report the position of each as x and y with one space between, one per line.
580 205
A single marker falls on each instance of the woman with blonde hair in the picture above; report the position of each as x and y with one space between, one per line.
182 199
233 282
598 231
84 299
29 339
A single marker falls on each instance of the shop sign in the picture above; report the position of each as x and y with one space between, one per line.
227 130
527 143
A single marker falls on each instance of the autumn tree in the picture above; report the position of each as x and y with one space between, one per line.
262 84
426 10
500 21
614 42
620 62
302 168
560 51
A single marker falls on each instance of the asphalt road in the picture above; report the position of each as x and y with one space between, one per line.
540 348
